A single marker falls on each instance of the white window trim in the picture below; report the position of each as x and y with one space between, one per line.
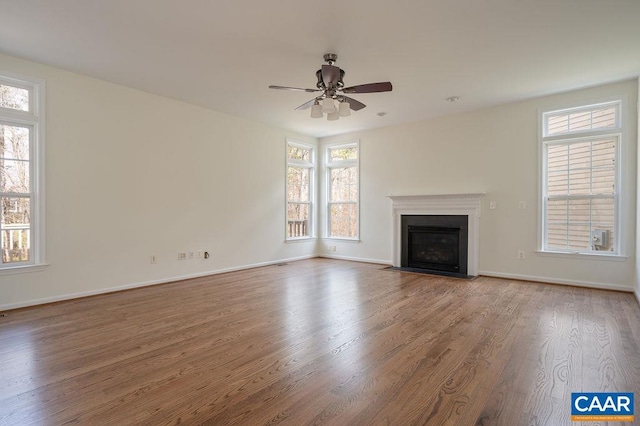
327 184
312 188
34 118
622 133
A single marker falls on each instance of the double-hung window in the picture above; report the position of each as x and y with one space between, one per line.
300 190
580 187
21 172
343 190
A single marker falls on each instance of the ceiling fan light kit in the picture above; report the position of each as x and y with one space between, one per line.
316 110
333 116
328 106
331 84
344 109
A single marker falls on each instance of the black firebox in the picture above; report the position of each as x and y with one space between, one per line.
435 243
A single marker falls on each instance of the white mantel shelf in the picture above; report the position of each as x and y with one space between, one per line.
439 204
472 198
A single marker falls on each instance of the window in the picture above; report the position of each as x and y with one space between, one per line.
300 193
342 169
580 148
21 188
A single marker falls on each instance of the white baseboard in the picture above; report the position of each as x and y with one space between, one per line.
602 286
70 296
355 259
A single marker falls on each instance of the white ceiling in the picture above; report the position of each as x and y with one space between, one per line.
222 54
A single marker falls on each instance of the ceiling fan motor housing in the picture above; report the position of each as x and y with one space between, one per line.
320 85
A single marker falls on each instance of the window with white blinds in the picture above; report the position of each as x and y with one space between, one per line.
580 179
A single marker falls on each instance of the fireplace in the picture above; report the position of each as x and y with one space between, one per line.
431 254
435 243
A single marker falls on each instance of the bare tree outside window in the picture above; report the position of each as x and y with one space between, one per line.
299 190
343 191
15 181
14 98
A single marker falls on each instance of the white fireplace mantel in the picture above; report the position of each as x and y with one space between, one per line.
439 204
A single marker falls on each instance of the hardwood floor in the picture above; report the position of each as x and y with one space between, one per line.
319 342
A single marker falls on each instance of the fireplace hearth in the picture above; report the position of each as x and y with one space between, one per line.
435 243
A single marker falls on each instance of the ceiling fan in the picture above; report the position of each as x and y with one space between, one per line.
331 84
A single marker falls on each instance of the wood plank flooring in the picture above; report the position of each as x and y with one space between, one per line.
319 342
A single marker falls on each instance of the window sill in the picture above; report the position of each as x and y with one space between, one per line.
585 256
299 239
344 240
22 269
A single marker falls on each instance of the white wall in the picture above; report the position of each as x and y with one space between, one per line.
494 150
130 175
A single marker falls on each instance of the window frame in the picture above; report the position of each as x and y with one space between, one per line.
618 132
311 166
328 166
34 120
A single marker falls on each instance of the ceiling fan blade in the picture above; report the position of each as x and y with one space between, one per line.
306 104
369 88
355 105
297 89
330 75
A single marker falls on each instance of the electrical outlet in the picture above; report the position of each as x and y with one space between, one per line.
191 255
153 259
200 254
520 254
332 248
182 255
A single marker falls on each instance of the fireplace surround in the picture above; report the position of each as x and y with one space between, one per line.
464 206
